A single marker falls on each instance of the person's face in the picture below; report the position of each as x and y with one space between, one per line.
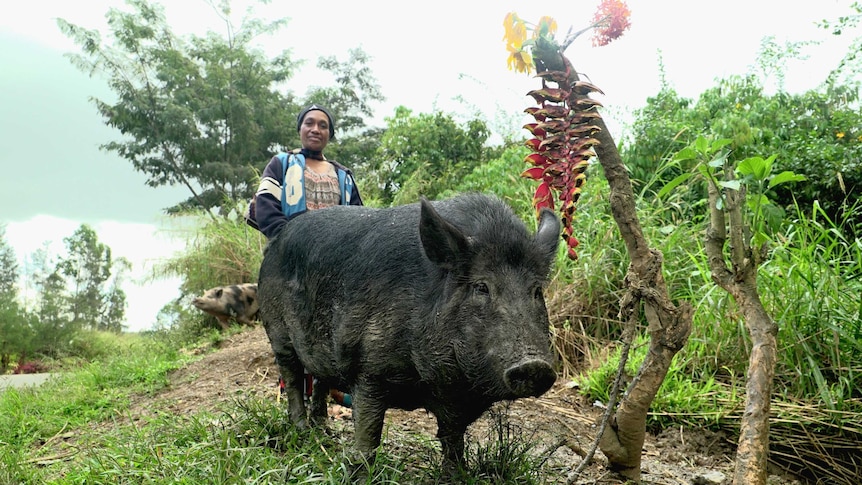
314 131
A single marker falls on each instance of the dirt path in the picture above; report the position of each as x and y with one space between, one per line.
21 380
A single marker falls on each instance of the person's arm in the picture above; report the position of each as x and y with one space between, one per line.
355 199
270 217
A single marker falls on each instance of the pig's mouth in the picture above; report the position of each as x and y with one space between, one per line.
529 378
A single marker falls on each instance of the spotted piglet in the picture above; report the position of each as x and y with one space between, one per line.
233 301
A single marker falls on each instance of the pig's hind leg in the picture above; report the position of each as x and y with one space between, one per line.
292 373
369 411
317 403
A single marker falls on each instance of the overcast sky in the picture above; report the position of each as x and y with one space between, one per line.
445 55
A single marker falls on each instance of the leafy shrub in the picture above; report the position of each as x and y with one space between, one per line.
502 177
30 367
815 134
220 252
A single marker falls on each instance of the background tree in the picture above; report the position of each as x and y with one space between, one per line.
52 323
350 101
423 155
8 268
848 69
95 300
11 322
816 134
200 112
352 95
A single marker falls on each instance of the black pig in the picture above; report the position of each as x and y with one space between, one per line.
436 305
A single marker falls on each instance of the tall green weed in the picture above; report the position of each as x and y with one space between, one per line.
812 285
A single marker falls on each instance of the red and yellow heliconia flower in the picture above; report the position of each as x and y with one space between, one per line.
520 61
562 141
515 31
562 145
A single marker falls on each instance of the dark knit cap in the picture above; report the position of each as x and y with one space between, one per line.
318 108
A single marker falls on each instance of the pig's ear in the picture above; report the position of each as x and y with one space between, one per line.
444 244
548 233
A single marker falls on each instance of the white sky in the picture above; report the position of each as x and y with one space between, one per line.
420 50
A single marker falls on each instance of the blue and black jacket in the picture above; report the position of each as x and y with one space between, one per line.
276 202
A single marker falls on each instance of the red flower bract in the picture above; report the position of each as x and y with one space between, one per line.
612 20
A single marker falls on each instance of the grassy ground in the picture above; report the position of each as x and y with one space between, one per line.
79 429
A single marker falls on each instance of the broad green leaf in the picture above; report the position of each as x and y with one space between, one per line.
719 160
701 144
686 153
720 143
772 215
730 184
756 167
784 177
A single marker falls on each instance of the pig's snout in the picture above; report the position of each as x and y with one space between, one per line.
199 302
530 378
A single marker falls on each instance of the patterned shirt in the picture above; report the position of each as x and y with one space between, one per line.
321 190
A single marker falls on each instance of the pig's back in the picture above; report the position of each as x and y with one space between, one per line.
350 244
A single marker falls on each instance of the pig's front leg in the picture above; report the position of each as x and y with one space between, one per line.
450 432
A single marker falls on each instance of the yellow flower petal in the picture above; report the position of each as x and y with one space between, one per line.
546 27
523 62
515 31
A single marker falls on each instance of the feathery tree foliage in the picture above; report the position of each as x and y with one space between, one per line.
198 112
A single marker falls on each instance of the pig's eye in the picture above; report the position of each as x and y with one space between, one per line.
537 293
481 289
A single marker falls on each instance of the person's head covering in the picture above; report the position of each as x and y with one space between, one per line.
318 108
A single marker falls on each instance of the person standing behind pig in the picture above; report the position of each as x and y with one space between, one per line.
310 182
